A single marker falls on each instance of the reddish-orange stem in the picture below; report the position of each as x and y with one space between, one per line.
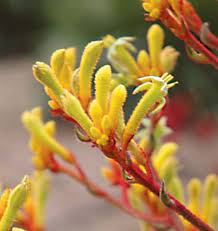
178 207
185 35
96 190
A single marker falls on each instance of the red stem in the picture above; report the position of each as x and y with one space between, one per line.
195 43
177 28
97 191
178 207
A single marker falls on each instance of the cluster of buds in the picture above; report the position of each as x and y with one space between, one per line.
182 19
42 141
156 62
32 215
11 200
144 168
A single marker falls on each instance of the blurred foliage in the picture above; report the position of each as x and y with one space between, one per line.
40 26
21 24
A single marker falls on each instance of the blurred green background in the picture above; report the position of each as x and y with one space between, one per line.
36 27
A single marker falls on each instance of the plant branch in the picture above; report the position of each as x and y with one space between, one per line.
99 192
176 206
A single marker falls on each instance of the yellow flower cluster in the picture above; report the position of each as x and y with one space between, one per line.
34 205
100 117
203 200
42 141
154 7
155 62
10 202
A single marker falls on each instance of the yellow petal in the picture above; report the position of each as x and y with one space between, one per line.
106 124
118 98
89 60
50 127
15 201
168 170
40 187
165 152
143 107
36 128
4 201
176 188
95 133
95 112
44 74
102 87
155 38
74 109
143 61
57 61
63 62
169 58
194 193
210 188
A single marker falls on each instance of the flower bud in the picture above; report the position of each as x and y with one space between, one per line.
169 56
102 87
44 75
74 109
118 97
17 197
89 60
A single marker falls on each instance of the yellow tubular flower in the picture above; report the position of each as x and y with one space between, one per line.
128 61
43 135
89 60
17 197
95 112
4 201
214 213
40 186
95 133
45 75
176 188
121 123
120 54
155 38
75 110
143 61
210 188
156 88
118 97
169 56
194 195
106 124
129 69
165 152
168 170
63 63
102 87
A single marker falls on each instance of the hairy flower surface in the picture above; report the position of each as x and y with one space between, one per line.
11 201
141 165
32 215
42 141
